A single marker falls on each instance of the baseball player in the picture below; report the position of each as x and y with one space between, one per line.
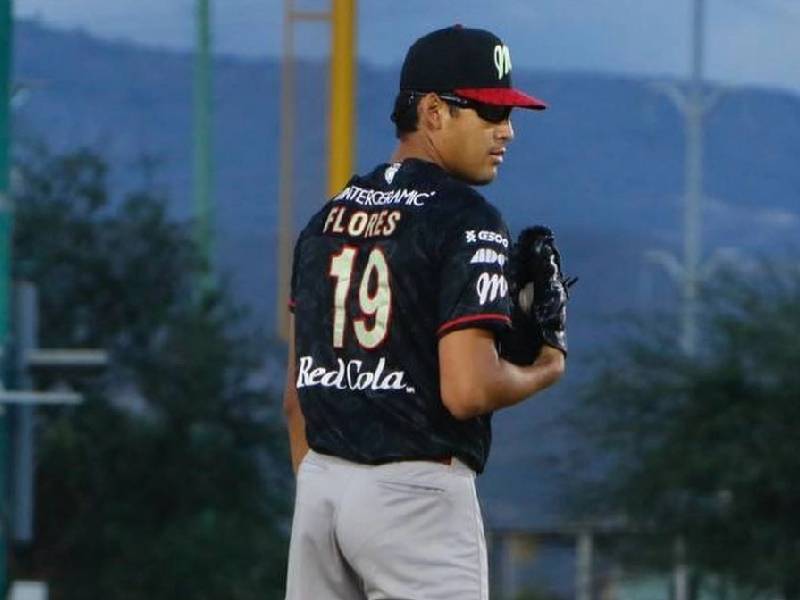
413 320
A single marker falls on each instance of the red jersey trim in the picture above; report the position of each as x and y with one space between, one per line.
470 318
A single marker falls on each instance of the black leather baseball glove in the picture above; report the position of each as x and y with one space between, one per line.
539 294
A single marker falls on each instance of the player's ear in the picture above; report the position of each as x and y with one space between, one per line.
431 111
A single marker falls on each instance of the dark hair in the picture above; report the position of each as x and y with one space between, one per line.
405 115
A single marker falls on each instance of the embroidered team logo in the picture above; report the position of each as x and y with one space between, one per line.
502 60
491 286
390 172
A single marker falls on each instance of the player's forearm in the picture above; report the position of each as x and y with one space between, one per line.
295 421
493 383
298 445
296 424
515 383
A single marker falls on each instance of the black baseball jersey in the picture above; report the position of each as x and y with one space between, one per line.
399 258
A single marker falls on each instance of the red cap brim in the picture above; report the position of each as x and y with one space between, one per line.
502 97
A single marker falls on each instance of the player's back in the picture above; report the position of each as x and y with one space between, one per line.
399 257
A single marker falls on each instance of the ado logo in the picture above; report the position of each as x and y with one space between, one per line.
490 287
488 256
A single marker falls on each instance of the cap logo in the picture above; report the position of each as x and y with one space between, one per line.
502 60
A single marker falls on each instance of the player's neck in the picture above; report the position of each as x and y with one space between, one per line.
415 146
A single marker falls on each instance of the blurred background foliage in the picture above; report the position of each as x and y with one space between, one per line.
172 479
704 449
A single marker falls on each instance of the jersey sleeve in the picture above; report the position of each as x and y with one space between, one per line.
473 285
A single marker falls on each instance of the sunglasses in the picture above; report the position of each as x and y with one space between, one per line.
493 113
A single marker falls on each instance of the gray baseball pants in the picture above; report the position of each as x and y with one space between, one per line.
407 530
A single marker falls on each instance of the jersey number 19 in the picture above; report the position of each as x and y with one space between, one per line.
374 297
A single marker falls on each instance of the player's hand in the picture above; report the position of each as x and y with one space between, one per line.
539 296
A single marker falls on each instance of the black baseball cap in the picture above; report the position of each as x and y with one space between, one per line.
472 63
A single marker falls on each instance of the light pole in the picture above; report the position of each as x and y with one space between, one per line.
203 161
693 105
341 130
689 272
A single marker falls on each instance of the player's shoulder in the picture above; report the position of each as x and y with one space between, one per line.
462 204
313 226
439 200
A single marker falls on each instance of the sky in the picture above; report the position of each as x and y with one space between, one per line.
749 42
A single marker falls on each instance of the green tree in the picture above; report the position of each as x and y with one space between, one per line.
185 493
707 448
